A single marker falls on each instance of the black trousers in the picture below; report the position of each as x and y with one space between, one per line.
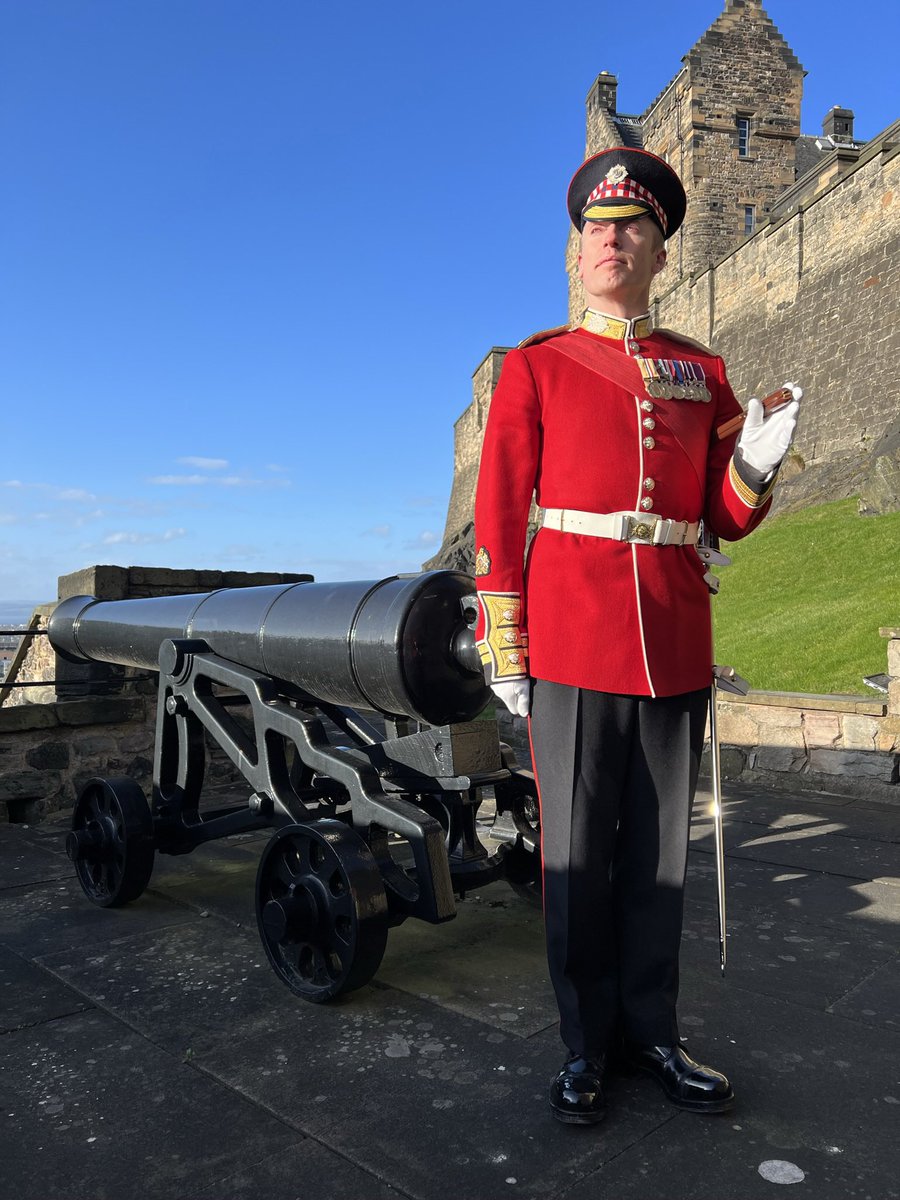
616 778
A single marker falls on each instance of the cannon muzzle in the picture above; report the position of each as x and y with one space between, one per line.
403 646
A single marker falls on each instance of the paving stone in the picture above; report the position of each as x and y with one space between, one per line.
861 843
186 987
50 833
30 995
875 1000
421 1081
26 860
812 965
439 1104
706 1158
792 824
58 915
93 1110
745 803
306 1170
218 878
488 963
803 895
823 847
804 1081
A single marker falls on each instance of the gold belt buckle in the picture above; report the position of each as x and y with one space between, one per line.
641 529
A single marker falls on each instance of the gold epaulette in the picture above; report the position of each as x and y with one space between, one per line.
545 335
688 341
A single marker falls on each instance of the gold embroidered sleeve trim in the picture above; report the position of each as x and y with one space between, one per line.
504 648
750 497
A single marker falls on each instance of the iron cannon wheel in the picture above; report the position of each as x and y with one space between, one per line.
111 841
522 861
321 909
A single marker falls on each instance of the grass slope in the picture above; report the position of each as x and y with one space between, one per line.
800 608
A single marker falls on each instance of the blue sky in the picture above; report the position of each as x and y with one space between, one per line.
253 250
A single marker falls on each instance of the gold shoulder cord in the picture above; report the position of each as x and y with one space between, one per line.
503 649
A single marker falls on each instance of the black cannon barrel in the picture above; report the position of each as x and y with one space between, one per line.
403 645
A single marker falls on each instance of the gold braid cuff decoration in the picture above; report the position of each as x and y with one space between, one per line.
504 648
751 498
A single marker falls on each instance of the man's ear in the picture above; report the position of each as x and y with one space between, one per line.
660 262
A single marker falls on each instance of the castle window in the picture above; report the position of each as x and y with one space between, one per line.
743 132
749 219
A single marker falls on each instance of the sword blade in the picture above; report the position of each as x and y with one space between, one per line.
716 773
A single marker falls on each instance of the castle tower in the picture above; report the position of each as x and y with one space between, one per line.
728 123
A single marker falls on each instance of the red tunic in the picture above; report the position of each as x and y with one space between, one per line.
600 614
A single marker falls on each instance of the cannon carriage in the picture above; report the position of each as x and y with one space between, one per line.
352 711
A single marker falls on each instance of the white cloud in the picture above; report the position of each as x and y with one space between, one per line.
181 480
75 494
97 515
56 492
231 481
240 552
203 464
423 540
380 531
142 539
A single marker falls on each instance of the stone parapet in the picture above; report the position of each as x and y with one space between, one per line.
48 751
790 746
845 744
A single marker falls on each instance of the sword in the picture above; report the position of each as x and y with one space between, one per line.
728 680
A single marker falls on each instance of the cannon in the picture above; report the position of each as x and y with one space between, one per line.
351 710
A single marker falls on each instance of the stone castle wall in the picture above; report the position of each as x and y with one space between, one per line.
814 297
468 434
740 68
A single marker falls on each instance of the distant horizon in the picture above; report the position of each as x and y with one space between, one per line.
12 615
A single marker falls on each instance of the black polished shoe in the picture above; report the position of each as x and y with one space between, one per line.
576 1094
685 1083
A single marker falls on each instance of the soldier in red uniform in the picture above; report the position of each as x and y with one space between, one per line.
603 636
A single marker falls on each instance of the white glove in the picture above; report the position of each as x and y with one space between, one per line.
764 441
515 694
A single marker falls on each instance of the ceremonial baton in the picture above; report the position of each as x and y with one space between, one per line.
771 403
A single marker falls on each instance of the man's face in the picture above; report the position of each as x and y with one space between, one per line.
617 263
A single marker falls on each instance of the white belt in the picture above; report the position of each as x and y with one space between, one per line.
623 527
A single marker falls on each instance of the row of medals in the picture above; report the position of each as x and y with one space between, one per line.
673 379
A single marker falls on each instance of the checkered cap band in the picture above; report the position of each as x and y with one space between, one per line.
627 189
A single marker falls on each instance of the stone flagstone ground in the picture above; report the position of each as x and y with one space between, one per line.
150 1052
